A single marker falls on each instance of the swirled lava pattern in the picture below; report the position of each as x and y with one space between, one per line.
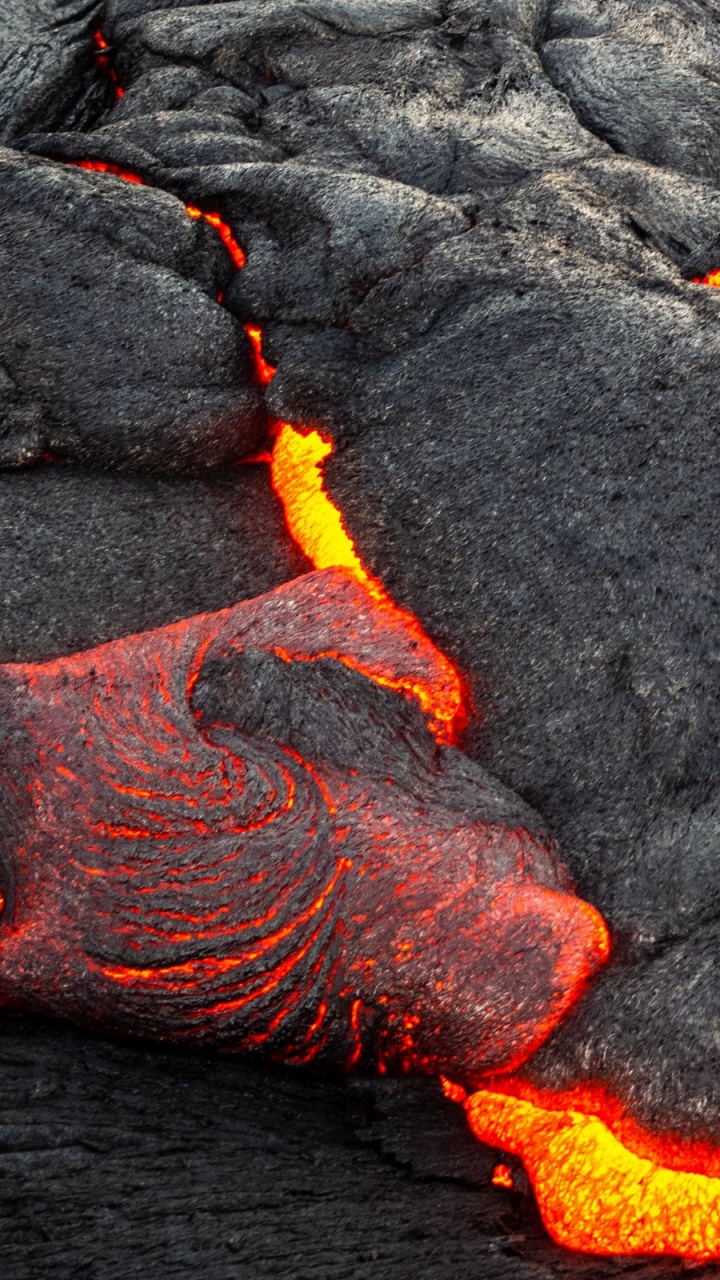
190 860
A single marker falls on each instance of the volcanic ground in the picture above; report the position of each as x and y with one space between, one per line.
472 235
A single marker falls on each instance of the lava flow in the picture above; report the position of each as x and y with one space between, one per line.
207 848
317 985
317 526
594 1193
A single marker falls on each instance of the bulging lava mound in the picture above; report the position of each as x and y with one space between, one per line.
215 833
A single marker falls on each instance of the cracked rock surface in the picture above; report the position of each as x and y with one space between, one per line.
472 230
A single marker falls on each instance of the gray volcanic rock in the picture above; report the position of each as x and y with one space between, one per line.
643 76
349 231
49 73
87 557
138 1162
131 362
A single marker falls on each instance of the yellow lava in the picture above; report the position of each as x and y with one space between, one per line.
595 1195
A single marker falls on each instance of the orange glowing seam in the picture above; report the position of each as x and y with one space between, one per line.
272 981
213 219
102 166
265 372
594 1193
356 1009
103 51
236 253
317 526
713 279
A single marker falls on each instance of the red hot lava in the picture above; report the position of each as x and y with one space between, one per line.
105 62
184 877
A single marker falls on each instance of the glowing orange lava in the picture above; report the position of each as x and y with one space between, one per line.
502 1177
105 61
317 526
100 166
265 372
236 252
594 1192
713 279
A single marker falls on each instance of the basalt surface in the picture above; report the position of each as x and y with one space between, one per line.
472 231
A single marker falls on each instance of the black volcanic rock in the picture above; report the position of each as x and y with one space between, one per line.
134 1162
50 73
86 557
127 354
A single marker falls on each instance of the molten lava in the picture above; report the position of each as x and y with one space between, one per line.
214 220
101 166
105 62
502 1177
206 846
265 372
317 526
595 1194
603 1184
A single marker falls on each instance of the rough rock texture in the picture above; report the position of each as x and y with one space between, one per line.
49 73
124 360
471 229
121 1163
86 556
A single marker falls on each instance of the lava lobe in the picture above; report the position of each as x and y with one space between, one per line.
215 832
